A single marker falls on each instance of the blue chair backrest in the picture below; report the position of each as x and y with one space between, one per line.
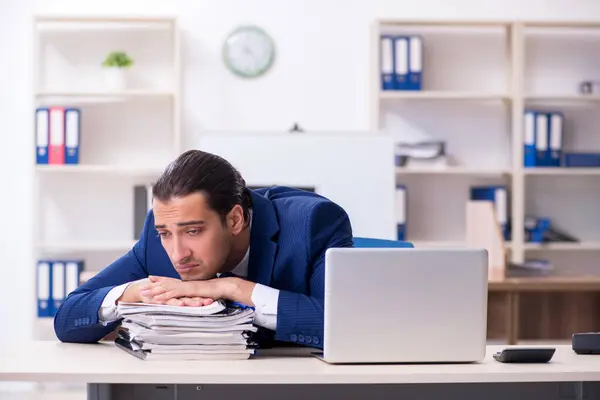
385 243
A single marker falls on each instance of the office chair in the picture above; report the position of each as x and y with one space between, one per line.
386 243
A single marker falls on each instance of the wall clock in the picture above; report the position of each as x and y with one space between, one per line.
248 51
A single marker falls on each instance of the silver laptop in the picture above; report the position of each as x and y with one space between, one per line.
405 305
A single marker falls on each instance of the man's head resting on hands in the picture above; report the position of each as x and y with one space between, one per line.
201 209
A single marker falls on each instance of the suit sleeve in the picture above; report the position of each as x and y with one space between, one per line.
299 316
77 319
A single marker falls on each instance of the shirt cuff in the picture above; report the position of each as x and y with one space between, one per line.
265 301
108 310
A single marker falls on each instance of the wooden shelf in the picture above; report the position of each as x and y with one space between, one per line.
444 23
514 73
99 169
106 94
90 246
130 133
106 18
57 97
566 246
467 171
574 97
487 23
442 95
453 107
561 171
544 308
444 244
563 24
547 284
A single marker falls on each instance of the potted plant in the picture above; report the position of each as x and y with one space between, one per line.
115 68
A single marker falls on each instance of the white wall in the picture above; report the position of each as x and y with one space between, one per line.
320 80
16 171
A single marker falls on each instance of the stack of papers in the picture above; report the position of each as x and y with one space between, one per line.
159 332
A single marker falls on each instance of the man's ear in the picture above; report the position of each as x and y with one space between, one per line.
235 219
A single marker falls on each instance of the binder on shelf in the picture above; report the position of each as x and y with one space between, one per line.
415 62
57 136
535 229
498 195
529 151
581 160
541 139
42 134
58 285
387 62
401 212
142 204
149 194
55 280
73 269
401 63
72 135
43 282
556 139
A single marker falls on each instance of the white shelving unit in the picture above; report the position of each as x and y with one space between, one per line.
80 246
127 170
85 211
478 78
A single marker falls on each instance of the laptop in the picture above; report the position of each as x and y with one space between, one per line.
405 305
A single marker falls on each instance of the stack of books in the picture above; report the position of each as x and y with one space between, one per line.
221 330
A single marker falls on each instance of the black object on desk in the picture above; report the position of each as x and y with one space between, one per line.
525 355
296 128
586 343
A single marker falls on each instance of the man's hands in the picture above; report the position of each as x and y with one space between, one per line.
133 294
165 290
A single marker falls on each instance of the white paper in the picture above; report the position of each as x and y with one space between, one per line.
137 308
216 331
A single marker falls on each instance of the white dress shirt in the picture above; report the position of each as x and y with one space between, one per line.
265 300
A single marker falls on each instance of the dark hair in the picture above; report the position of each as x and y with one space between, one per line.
198 171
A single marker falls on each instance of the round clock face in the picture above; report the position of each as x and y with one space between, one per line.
249 51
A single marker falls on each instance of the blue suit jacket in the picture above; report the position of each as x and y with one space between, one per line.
291 229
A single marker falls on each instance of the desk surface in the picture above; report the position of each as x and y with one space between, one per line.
550 283
104 363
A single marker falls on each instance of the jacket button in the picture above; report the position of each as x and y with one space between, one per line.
293 337
316 340
308 339
301 338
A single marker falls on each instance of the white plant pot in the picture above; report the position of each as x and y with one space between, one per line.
116 78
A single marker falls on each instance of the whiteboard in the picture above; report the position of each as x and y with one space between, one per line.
355 171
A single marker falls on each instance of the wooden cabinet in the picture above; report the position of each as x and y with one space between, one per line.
530 309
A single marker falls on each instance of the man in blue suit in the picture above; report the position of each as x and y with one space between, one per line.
209 237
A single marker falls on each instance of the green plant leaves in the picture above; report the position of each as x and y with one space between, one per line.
118 59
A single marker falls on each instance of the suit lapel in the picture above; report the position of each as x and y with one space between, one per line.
263 245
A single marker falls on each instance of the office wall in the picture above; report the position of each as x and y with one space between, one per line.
320 80
16 172
321 75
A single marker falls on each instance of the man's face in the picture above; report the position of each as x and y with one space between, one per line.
194 236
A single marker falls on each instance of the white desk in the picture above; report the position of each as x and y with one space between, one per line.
114 374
